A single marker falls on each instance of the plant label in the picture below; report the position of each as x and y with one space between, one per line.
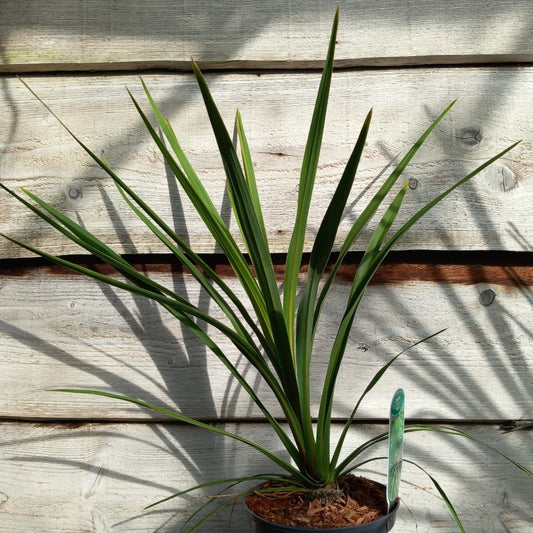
396 431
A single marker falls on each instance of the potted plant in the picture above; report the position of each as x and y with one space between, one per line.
276 332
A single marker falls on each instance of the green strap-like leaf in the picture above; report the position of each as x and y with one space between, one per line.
232 481
430 205
200 276
243 206
262 298
306 185
181 309
372 206
443 495
373 382
325 238
459 433
193 422
347 464
257 246
212 219
361 280
250 174
226 242
374 256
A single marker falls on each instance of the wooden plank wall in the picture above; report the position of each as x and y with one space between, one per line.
74 464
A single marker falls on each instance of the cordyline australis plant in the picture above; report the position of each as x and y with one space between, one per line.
277 334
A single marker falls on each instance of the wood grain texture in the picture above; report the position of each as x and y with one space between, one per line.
92 464
98 477
493 212
59 35
58 330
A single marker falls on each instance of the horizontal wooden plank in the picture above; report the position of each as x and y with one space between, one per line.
62 35
98 477
67 331
493 212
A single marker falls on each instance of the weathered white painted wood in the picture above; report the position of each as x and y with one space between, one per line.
62 331
56 35
494 110
58 330
98 478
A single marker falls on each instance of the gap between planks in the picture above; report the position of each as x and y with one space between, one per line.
498 267
258 67
504 426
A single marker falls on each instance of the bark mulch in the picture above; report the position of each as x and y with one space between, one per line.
351 501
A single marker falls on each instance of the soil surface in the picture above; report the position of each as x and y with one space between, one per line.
350 502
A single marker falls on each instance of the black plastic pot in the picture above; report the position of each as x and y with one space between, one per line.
382 525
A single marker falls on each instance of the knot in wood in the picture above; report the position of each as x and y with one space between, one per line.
3 498
74 193
508 179
487 297
470 136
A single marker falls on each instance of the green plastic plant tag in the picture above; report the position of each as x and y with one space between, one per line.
396 431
